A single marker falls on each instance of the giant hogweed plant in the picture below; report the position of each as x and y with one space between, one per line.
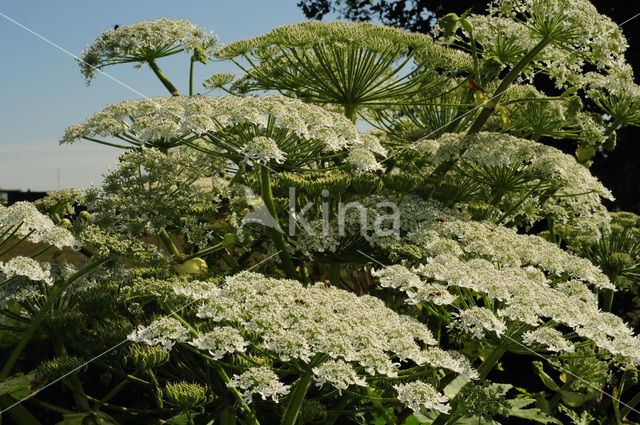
257 258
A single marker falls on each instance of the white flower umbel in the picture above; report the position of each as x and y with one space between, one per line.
549 338
166 332
195 289
338 373
419 395
146 40
259 380
220 341
227 125
340 337
26 267
263 149
26 220
476 321
577 195
399 277
151 190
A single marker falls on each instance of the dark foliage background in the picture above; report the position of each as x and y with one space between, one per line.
618 170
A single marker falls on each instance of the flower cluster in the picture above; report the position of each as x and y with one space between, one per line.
228 125
528 166
521 295
263 149
165 331
145 41
420 395
26 267
341 337
259 380
23 219
150 191
383 40
511 29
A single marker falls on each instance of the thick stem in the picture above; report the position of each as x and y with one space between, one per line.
350 112
607 302
278 237
163 78
489 108
169 245
486 112
54 294
556 397
204 252
297 397
17 412
629 406
490 361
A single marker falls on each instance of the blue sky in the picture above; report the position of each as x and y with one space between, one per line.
42 91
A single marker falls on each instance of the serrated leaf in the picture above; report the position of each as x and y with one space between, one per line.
519 410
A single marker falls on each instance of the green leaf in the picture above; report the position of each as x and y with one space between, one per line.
573 399
87 418
179 419
517 409
18 386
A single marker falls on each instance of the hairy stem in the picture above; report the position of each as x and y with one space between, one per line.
163 78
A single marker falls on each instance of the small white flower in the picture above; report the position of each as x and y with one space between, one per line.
478 320
550 338
27 267
259 380
166 332
220 341
337 373
263 149
419 395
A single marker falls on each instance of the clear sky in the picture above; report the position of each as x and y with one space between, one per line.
42 91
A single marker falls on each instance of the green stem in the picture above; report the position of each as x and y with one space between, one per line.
556 397
54 294
225 378
17 412
49 406
77 391
350 112
163 78
487 110
112 393
629 406
169 245
267 197
607 302
157 395
490 361
191 76
297 397
204 252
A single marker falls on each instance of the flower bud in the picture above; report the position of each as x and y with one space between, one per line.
184 395
146 357
194 266
449 24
